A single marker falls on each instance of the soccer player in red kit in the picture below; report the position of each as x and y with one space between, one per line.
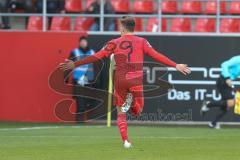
128 51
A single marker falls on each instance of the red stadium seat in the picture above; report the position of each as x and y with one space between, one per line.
191 7
181 25
211 7
121 6
139 24
89 2
169 6
143 6
35 23
234 7
83 23
152 25
61 24
229 25
205 25
73 5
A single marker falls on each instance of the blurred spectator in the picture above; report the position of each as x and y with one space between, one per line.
4 9
82 76
109 23
11 6
26 5
53 6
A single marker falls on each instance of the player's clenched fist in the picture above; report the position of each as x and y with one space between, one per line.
183 68
67 65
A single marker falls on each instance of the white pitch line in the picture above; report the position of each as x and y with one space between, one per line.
47 127
100 137
110 137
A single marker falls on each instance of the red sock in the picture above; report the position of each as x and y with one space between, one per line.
122 126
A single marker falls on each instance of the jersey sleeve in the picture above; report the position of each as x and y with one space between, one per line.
106 51
227 64
149 50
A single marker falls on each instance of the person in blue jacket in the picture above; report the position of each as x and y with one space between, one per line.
230 70
82 76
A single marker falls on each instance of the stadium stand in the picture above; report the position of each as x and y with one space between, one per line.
88 3
181 25
139 24
211 7
205 25
143 6
35 23
61 24
83 23
229 25
234 7
73 5
121 6
169 7
152 25
177 16
191 7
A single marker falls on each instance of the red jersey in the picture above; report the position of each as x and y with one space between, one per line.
128 51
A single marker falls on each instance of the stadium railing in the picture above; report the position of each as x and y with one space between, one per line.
159 15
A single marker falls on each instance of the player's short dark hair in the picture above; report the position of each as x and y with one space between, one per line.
82 38
128 23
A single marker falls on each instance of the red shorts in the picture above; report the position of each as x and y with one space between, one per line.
122 88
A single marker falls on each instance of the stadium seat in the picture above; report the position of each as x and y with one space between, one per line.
169 6
121 6
234 7
35 23
181 25
191 7
139 24
152 25
143 6
229 25
205 25
211 7
83 23
73 5
89 2
61 24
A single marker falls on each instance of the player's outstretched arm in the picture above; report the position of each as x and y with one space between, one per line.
69 64
183 68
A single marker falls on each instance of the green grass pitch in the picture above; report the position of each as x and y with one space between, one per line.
64 142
